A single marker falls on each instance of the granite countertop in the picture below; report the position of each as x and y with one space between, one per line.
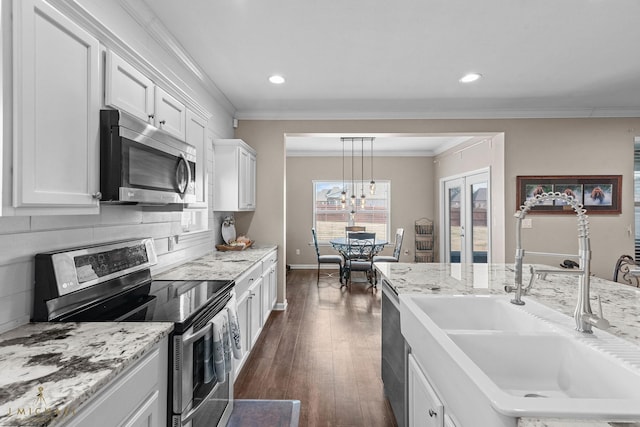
61 365
218 265
620 303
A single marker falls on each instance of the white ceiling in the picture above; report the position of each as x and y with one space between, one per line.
402 59
331 144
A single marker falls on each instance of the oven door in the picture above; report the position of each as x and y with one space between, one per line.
198 401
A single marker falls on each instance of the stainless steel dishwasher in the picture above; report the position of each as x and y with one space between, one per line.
394 354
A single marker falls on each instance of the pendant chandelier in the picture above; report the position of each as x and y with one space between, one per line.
372 184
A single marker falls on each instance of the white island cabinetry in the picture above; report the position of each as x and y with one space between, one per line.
235 176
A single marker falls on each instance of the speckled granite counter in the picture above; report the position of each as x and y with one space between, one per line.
64 364
218 265
620 303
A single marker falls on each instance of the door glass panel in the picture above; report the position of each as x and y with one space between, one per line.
479 222
455 226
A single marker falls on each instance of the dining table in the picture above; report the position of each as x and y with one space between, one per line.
341 244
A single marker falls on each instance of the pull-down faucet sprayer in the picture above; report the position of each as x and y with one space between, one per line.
583 314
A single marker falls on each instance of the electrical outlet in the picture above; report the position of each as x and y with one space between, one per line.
527 223
297 251
171 243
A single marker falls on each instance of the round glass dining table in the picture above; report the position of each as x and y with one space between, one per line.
341 244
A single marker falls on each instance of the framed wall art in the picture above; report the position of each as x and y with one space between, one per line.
599 194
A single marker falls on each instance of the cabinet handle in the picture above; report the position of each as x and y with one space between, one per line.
252 294
432 413
251 280
163 122
97 195
151 116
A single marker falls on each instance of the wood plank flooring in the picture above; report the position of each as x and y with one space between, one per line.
324 350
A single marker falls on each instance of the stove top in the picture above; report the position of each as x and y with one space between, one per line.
182 302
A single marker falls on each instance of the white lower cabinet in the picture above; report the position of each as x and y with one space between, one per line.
256 298
136 398
425 407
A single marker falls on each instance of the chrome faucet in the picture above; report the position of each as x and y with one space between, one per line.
583 315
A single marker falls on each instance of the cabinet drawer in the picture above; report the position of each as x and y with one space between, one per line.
270 259
248 278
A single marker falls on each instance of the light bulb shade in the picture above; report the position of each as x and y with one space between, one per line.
353 200
363 199
372 187
343 204
343 196
352 215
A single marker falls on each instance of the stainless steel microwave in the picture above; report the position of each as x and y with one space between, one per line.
140 163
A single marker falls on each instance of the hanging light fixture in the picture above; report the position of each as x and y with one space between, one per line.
353 187
343 195
362 196
372 184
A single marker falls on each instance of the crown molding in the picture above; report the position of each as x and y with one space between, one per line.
550 113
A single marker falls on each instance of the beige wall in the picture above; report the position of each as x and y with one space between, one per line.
411 198
531 147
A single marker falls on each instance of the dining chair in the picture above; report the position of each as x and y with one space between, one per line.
359 257
326 259
621 272
397 246
357 228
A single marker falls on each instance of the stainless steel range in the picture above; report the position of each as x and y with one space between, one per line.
112 282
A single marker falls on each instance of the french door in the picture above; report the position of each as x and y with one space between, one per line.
465 218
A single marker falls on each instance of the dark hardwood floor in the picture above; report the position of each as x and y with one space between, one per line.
324 350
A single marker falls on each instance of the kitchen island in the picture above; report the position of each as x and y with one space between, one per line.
621 303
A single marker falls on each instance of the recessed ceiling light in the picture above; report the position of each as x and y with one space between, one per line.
276 79
471 77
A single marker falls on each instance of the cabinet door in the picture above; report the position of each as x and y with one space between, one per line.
243 319
197 136
425 408
247 179
128 89
255 316
170 114
147 415
273 288
56 107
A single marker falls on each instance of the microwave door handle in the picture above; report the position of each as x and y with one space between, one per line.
186 165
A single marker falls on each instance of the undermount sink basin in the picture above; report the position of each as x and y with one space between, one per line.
478 313
488 356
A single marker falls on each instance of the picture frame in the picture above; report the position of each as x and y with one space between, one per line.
599 194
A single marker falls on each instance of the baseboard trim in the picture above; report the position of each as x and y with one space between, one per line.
313 266
281 306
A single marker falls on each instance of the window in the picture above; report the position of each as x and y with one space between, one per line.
329 219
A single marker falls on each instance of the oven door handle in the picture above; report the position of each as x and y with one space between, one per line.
189 339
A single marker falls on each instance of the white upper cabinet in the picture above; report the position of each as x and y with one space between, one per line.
235 176
197 136
128 89
56 92
170 114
